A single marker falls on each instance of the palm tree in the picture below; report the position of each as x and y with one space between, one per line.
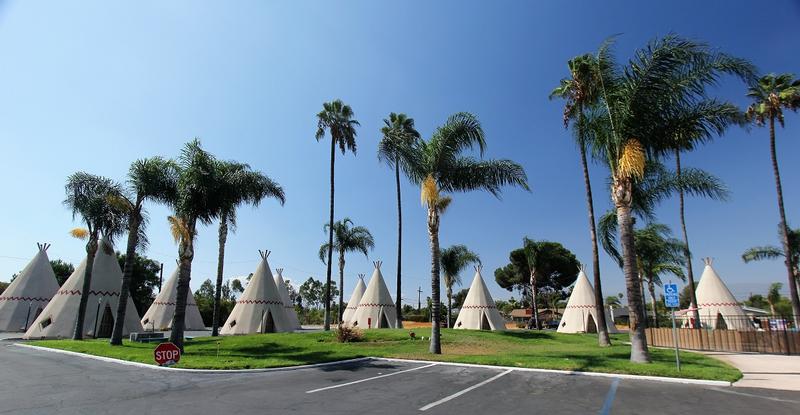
453 260
398 131
98 202
759 253
198 199
438 165
337 118
238 185
658 253
771 94
580 91
151 179
347 238
699 123
642 102
773 296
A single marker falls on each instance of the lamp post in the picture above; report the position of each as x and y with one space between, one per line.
97 315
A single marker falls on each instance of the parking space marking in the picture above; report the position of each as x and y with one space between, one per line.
368 379
457 394
606 409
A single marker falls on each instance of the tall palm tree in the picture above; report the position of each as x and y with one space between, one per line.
773 296
238 185
454 259
151 179
398 131
582 90
699 123
642 101
337 118
98 202
658 253
439 165
347 238
771 94
759 253
198 199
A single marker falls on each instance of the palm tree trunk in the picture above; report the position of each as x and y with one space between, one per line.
185 257
449 306
91 252
433 235
622 194
341 285
399 295
127 274
534 321
652 288
223 237
602 326
644 300
787 252
330 244
686 251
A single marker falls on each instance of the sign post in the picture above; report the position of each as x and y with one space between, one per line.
672 301
167 354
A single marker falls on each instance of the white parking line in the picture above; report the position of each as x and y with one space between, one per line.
457 394
372 378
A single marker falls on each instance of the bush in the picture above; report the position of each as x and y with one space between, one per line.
347 334
420 318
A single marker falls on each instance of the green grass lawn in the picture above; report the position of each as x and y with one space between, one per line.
545 350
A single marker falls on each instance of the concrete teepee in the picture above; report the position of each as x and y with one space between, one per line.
580 315
291 314
57 320
376 308
355 298
260 309
159 315
718 308
478 311
28 294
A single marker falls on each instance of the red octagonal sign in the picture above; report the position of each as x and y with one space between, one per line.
167 354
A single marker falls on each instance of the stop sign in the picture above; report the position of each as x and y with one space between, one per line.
167 354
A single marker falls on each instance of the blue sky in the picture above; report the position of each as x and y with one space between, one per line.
92 86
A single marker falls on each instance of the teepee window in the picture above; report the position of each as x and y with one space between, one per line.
147 320
48 321
233 323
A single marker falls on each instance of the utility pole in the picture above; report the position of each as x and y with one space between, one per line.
419 299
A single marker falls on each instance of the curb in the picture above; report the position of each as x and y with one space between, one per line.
184 370
385 359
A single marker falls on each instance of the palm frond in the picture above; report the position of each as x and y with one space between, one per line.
607 229
178 228
760 253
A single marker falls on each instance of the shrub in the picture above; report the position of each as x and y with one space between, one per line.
347 334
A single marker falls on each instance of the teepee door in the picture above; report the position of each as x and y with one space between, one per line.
485 322
591 326
106 324
720 325
268 323
384 321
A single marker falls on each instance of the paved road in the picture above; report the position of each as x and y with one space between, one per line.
38 382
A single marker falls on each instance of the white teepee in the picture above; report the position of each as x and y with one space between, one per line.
376 308
291 314
718 308
28 294
580 315
479 311
57 320
159 315
260 309
355 298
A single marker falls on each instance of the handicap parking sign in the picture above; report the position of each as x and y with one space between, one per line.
671 295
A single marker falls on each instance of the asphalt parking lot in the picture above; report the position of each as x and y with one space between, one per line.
40 382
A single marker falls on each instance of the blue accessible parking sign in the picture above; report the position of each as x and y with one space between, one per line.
671 295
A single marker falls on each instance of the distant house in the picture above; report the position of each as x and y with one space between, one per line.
522 315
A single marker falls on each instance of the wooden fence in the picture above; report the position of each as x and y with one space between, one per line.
776 341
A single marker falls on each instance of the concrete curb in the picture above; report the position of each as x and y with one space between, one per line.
207 371
385 359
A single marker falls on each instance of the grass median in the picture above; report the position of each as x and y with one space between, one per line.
544 350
